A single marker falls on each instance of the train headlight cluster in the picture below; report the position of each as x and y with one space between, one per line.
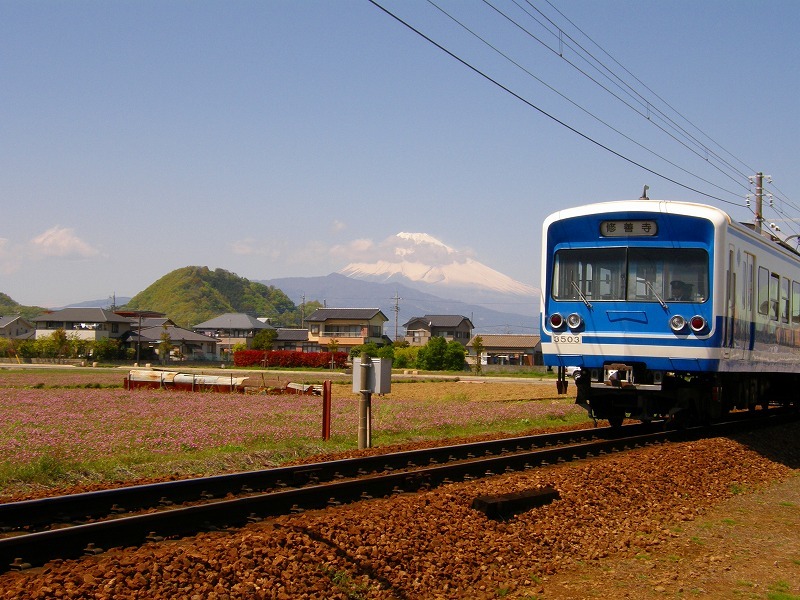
697 323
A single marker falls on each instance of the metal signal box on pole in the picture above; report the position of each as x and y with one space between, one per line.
380 376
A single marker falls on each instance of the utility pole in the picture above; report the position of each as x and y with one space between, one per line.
396 299
303 311
759 201
758 181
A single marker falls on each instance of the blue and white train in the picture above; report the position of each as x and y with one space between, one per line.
670 309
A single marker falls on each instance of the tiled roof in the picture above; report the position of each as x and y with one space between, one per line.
176 334
507 340
81 315
439 320
324 314
291 335
5 321
233 321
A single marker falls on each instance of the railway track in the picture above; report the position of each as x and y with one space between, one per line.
42 530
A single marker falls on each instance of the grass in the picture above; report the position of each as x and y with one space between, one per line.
74 430
781 590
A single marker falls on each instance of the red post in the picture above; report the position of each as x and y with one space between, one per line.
326 409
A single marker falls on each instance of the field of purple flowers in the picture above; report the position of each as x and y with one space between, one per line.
102 430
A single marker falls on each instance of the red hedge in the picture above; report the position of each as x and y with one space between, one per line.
288 358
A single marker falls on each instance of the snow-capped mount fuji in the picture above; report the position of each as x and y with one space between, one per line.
420 261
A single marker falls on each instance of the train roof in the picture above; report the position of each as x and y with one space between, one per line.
676 207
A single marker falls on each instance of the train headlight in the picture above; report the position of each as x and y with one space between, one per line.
574 321
697 323
676 323
556 321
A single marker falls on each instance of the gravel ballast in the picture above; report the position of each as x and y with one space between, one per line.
432 544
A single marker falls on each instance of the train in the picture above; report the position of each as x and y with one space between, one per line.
670 310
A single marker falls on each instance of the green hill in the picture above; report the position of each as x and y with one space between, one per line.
192 295
9 307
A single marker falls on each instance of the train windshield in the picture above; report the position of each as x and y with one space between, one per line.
634 274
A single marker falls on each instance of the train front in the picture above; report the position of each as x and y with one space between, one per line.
627 298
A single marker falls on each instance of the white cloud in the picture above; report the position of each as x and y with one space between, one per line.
252 247
61 242
337 226
356 250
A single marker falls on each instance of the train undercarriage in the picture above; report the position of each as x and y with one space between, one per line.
619 392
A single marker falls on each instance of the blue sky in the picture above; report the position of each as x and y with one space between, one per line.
289 138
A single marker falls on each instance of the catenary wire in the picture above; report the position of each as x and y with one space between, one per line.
545 113
645 86
647 105
581 108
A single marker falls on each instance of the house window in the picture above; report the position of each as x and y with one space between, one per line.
315 329
376 331
115 328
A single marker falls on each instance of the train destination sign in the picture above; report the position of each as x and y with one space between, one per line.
628 228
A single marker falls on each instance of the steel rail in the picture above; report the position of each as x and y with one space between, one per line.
42 512
37 548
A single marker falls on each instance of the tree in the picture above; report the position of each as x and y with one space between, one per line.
386 352
165 347
371 348
106 349
406 357
454 355
431 355
61 344
477 345
264 339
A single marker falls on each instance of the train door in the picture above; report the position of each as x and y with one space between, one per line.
729 348
744 321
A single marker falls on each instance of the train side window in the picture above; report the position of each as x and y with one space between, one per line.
773 296
795 303
784 300
763 291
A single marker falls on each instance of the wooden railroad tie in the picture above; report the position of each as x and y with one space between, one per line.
503 506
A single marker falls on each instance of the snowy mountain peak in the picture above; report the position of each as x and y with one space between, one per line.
422 259
423 238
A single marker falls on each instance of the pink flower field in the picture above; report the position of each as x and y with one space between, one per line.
83 425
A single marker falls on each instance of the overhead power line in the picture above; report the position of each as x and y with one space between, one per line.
545 113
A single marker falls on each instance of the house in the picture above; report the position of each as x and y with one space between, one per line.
451 327
186 344
346 327
507 349
232 329
16 327
295 340
84 323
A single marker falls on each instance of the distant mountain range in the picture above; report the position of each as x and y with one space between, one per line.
102 302
336 290
438 280
407 275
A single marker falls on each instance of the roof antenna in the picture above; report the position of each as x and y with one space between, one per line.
644 193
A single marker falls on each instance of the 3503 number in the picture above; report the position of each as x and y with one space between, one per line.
566 338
